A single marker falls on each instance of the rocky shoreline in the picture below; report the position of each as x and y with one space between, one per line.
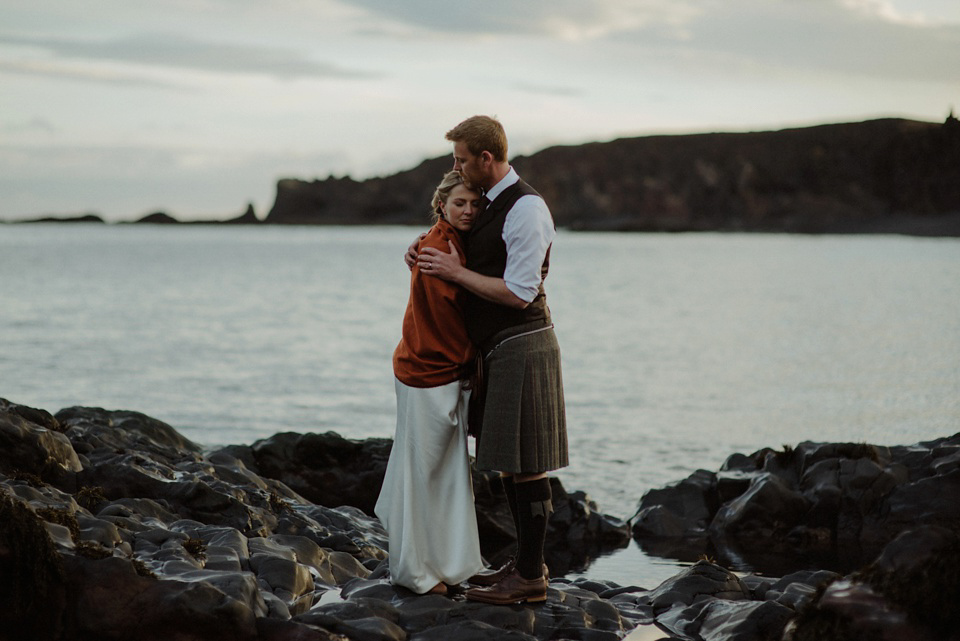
115 526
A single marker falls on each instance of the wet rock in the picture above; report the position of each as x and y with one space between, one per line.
281 630
114 602
30 445
577 531
31 575
243 587
683 509
839 503
326 469
470 631
718 620
909 594
334 472
32 415
161 540
94 429
151 538
660 522
930 501
701 580
768 508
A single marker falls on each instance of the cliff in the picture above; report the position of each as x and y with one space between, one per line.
885 175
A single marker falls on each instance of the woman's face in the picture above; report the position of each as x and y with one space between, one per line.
461 207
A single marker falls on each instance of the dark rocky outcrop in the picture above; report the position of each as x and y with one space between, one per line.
248 217
31 574
330 470
80 218
113 526
157 218
400 199
889 175
908 594
831 504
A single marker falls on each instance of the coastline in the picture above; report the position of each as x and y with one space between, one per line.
115 526
888 175
944 225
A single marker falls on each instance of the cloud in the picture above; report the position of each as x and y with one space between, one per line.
34 125
550 90
860 37
886 11
86 73
563 19
176 51
834 36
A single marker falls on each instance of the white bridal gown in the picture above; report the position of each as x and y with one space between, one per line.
426 502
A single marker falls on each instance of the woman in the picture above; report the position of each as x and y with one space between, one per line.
426 502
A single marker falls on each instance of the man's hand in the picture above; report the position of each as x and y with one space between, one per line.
434 262
410 258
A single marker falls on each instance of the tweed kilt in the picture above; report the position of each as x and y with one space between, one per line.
524 422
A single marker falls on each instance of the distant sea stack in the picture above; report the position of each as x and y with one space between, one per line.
887 175
248 217
158 218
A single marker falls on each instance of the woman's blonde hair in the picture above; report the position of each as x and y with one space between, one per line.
440 195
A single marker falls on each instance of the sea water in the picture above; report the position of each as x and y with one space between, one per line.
677 350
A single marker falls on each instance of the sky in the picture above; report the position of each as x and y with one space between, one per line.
197 107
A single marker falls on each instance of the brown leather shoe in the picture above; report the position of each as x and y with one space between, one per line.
513 588
490 577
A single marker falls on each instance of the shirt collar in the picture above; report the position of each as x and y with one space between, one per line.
511 178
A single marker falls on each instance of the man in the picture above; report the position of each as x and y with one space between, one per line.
524 426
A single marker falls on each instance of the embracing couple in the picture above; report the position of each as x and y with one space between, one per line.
476 292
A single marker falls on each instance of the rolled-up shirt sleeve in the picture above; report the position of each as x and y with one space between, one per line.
528 232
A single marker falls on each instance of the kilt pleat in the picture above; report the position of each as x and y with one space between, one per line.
524 421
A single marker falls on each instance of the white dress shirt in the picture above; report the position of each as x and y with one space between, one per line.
528 232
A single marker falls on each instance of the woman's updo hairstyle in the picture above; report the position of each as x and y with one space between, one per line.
450 180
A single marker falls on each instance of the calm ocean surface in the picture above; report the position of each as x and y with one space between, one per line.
678 350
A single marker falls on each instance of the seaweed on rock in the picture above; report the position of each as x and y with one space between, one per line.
31 591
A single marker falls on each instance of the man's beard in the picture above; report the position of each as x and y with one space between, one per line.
470 184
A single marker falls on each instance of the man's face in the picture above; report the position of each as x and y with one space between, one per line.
472 169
